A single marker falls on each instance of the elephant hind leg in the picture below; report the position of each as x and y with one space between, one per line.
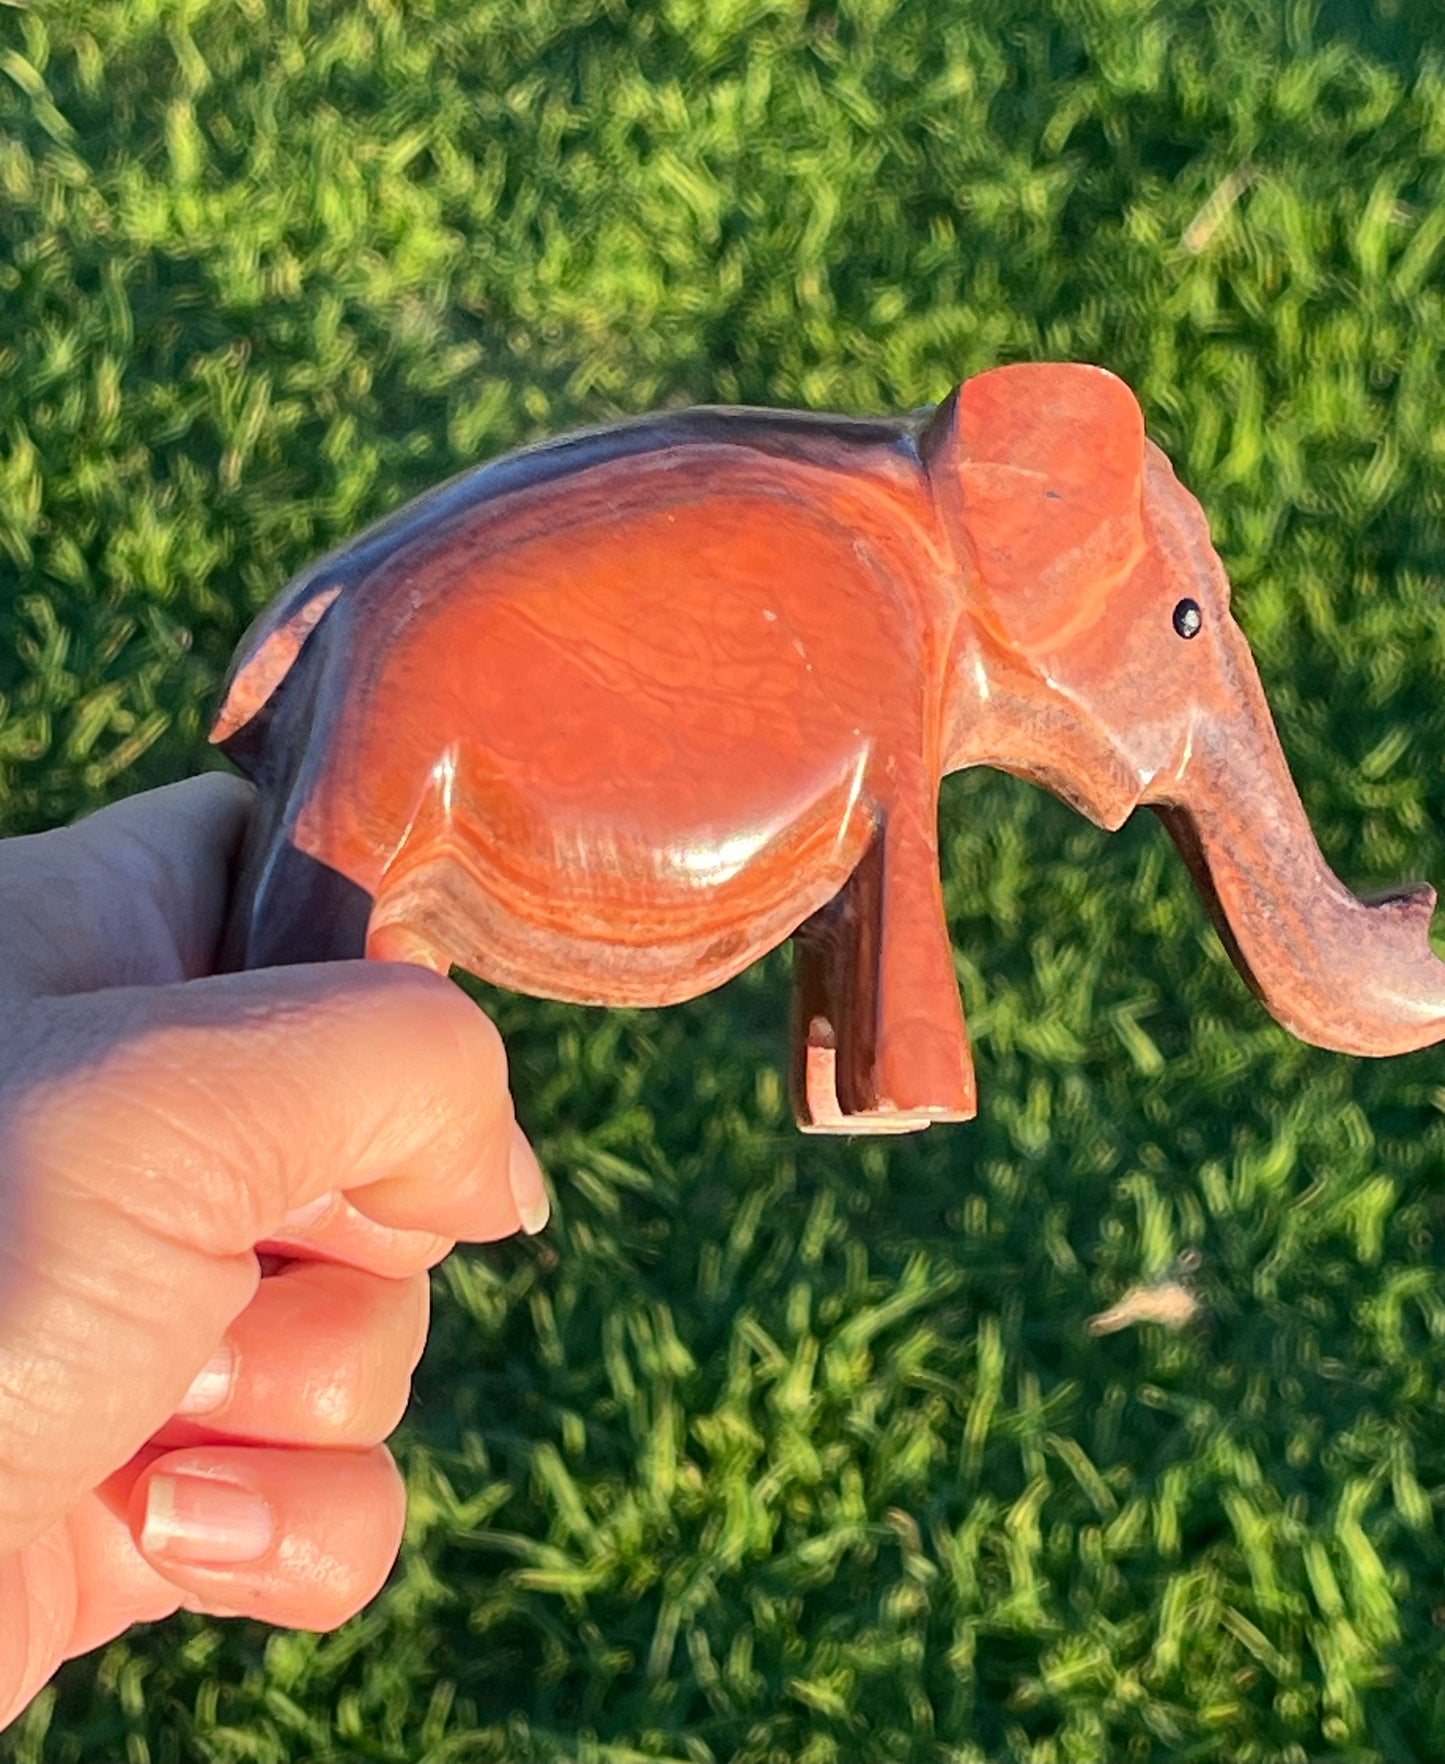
879 1042
429 901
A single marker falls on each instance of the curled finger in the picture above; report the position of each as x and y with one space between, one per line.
299 1538
322 1356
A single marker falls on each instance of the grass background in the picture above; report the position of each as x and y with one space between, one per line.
774 1449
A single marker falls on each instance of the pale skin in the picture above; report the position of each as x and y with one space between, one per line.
219 1199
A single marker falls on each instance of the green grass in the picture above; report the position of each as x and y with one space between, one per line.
773 1449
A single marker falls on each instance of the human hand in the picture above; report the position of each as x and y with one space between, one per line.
182 1424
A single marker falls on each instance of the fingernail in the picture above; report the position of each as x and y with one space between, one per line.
212 1384
300 1217
204 1521
529 1191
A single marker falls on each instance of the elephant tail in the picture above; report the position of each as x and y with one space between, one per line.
266 667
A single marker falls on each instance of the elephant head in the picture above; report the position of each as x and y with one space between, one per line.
1098 657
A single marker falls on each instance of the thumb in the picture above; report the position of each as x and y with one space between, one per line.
134 895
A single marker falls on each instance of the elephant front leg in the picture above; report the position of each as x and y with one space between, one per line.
879 1042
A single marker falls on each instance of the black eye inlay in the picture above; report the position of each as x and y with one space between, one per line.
1188 618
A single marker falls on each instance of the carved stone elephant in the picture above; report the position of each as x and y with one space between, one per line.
606 719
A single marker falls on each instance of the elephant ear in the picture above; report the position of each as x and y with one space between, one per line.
1041 468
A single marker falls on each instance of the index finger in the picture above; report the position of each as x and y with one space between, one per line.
213 1109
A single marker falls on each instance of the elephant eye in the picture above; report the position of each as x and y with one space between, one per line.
1188 618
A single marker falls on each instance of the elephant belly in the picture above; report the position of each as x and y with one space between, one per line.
599 911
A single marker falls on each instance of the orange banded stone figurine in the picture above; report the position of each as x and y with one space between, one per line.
607 718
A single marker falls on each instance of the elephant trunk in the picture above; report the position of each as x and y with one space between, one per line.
1356 975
